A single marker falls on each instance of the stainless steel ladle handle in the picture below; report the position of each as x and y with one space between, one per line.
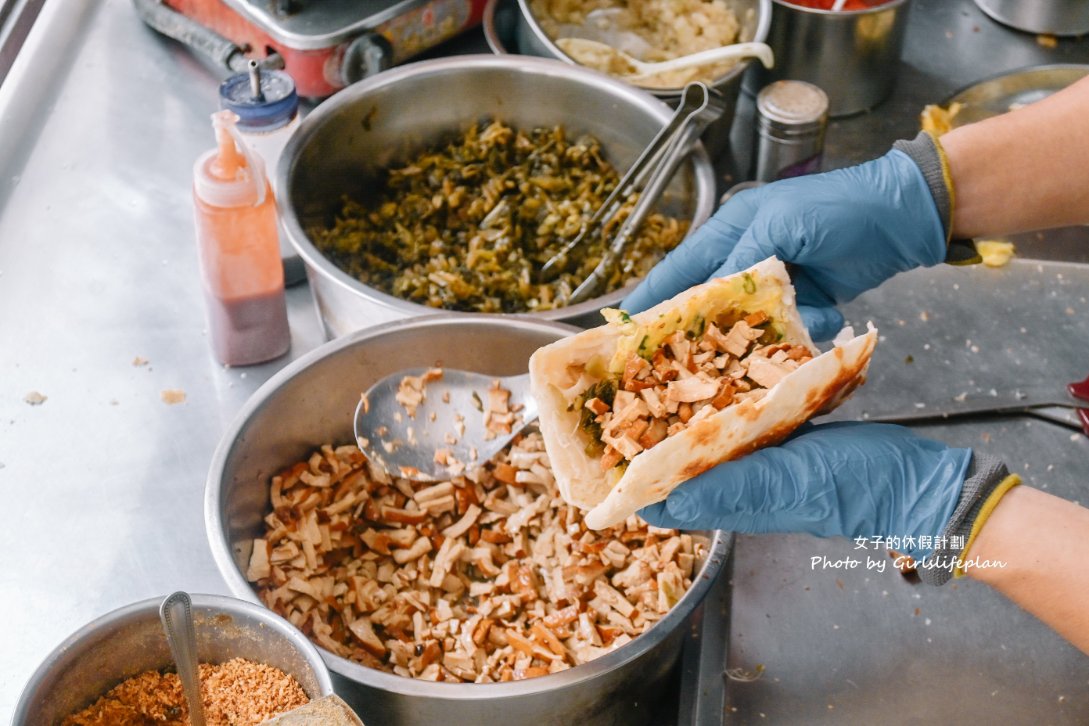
176 614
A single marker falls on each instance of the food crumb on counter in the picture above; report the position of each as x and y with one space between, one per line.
171 396
233 693
938 120
995 252
743 676
1047 40
34 398
139 361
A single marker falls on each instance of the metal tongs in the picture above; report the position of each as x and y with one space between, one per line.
647 177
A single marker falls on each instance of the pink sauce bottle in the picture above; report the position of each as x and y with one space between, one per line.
239 251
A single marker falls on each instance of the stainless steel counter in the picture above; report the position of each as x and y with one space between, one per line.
100 121
856 646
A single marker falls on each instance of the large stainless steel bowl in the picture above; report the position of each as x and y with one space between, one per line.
310 403
129 641
755 18
344 145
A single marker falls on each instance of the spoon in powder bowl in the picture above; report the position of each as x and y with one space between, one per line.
603 56
176 614
430 424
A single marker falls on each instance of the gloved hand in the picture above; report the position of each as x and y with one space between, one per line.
839 479
844 232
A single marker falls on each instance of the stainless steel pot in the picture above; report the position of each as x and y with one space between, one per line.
852 55
343 146
755 17
1057 17
310 403
129 641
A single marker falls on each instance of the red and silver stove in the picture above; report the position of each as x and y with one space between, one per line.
324 44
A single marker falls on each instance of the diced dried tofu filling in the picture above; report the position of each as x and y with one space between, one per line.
487 577
689 377
411 391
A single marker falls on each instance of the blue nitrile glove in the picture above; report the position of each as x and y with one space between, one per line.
843 232
845 479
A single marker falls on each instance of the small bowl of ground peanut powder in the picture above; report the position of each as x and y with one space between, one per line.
118 670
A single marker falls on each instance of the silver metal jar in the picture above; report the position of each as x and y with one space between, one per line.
130 641
310 403
791 117
345 144
852 55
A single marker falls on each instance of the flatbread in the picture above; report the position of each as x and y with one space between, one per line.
562 371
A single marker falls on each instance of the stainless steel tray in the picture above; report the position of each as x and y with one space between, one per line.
858 646
1011 90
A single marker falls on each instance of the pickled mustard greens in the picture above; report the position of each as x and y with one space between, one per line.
467 225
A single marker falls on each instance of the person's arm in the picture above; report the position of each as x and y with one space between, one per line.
953 512
847 231
1041 539
1023 170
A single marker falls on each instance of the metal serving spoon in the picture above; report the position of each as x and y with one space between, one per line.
591 52
447 428
176 614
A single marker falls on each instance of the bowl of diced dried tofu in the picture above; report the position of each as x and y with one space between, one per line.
445 602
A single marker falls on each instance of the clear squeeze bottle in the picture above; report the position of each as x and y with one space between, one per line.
239 251
268 113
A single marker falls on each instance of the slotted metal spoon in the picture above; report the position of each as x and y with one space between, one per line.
450 418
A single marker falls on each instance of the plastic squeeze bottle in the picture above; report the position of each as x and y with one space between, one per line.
268 113
239 251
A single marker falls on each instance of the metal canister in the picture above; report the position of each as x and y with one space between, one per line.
791 117
853 55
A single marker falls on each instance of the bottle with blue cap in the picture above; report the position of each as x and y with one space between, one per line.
267 107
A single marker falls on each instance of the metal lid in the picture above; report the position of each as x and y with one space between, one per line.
793 107
276 105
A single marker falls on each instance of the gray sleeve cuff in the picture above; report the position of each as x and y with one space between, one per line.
923 151
984 474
